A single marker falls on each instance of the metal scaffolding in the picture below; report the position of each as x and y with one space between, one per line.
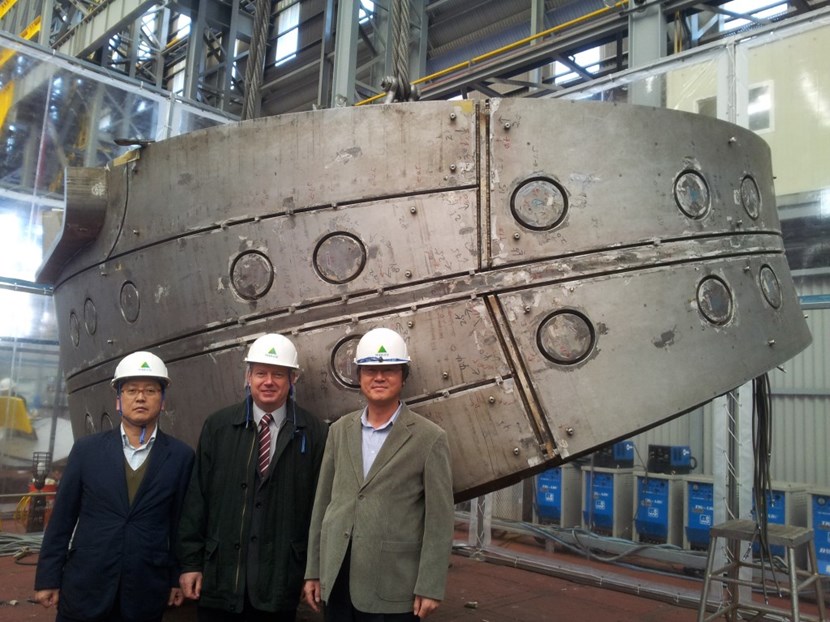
340 50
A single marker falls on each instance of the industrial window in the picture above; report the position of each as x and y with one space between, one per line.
149 24
180 29
760 108
588 60
288 30
20 255
708 107
365 12
759 9
805 224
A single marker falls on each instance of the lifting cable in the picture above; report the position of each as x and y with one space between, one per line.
256 59
465 65
397 86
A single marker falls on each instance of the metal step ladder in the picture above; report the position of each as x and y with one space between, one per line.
764 577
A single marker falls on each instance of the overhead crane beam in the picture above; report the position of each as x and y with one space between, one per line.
17 15
107 18
532 52
507 65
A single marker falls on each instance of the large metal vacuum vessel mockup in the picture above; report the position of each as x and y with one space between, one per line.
565 273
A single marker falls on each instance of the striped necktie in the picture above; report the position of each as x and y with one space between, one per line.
264 438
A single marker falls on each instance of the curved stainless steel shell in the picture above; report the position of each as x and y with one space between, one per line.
565 274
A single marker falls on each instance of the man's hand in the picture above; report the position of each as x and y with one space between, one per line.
48 598
191 584
424 606
311 593
176 597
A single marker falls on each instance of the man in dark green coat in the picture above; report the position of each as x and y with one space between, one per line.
244 526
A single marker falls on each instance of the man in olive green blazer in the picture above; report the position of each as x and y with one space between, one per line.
382 525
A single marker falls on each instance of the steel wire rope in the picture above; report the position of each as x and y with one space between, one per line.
256 53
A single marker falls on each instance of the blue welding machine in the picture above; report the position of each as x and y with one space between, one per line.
670 459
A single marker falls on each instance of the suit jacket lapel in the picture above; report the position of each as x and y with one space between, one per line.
354 436
284 436
398 436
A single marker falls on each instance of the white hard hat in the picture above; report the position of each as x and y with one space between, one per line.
6 384
141 365
381 346
273 349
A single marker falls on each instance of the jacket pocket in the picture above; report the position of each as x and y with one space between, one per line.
397 571
88 586
299 548
210 548
210 571
295 569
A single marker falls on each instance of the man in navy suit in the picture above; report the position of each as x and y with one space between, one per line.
106 553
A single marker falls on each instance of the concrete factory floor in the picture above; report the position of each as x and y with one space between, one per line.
477 591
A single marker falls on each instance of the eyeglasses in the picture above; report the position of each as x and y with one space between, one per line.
386 370
148 392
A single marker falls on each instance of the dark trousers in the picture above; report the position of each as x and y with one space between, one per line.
339 607
114 615
249 614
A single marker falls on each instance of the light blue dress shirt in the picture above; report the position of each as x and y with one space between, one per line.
373 438
137 455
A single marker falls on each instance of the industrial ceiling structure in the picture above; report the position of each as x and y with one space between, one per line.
252 58
323 53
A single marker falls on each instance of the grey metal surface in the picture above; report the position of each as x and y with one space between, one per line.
86 191
565 274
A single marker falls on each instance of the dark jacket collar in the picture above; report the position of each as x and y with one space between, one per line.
244 413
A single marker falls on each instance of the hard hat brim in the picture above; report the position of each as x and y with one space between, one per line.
162 380
379 360
251 361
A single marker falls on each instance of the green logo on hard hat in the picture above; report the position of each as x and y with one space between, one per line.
382 350
145 365
272 352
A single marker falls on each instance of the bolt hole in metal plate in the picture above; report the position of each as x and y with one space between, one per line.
342 361
130 303
714 300
770 287
692 194
106 422
750 197
539 203
566 337
339 257
74 329
252 275
90 317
